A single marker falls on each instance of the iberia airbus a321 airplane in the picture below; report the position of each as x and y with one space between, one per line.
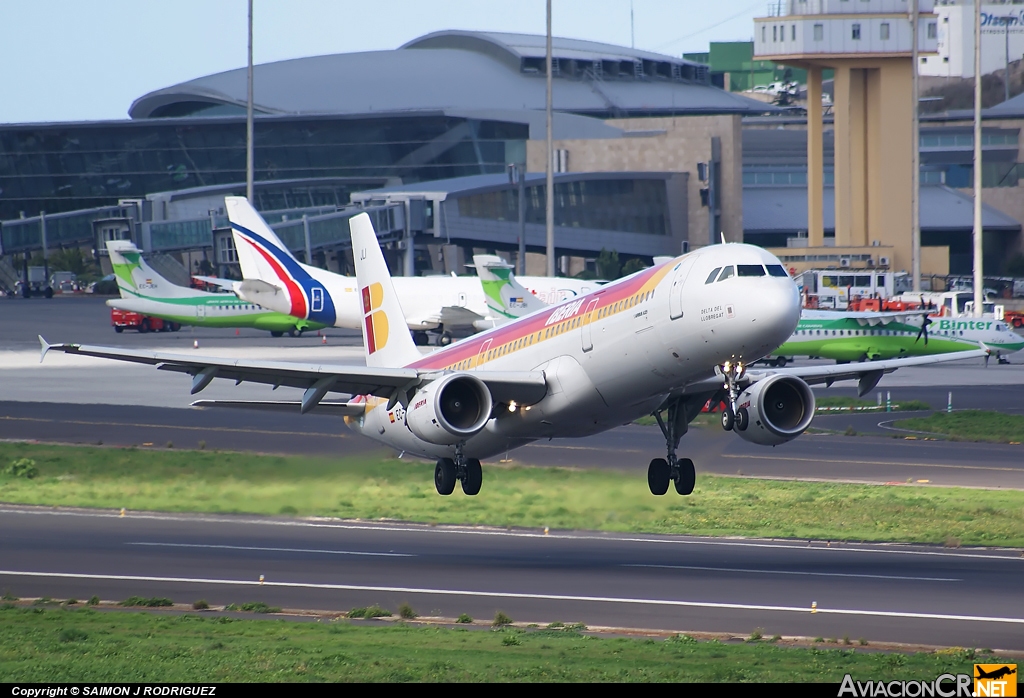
662 341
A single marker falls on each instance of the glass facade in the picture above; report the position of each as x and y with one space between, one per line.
64 167
622 205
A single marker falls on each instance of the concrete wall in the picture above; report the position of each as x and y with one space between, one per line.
669 144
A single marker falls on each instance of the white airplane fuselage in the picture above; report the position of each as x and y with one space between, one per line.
423 298
614 354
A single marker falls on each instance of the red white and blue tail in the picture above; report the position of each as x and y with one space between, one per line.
263 256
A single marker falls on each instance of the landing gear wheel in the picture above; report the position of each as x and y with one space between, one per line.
276 334
445 339
658 476
420 338
742 419
292 332
118 329
444 476
175 326
474 477
780 362
728 418
687 477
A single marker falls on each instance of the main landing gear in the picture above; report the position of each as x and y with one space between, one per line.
661 471
465 470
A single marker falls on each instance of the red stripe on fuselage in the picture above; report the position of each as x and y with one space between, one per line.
295 295
608 295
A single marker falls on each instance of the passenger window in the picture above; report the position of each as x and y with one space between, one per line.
713 275
726 273
750 270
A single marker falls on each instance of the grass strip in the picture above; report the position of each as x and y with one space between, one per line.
713 419
50 645
834 401
970 425
377 488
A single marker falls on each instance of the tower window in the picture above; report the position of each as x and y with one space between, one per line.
932 30
856 32
819 32
885 31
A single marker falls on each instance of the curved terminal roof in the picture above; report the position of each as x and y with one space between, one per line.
460 70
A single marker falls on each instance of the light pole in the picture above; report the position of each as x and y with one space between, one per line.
978 276
915 159
549 169
248 122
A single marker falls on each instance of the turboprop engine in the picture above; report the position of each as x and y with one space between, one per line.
774 410
450 409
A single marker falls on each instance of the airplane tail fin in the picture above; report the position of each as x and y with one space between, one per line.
136 279
260 251
506 298
274 278
386 337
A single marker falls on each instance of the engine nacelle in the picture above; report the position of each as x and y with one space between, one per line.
450 409
777 409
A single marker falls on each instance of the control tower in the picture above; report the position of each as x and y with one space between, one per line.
868 44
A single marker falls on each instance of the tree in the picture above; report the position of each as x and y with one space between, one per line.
632 266
608 266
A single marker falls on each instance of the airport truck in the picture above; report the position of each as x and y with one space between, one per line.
122 319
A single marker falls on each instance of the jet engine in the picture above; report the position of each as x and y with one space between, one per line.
774 410
450 409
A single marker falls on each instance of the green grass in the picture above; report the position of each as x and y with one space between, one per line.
971 425
897 405
98 646
376 488
714 419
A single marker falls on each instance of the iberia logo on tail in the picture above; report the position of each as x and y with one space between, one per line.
375 320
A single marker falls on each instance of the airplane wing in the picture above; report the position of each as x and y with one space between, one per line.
226 284
874 319
868 373
396 384
451 316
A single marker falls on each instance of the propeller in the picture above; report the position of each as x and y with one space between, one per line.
925 321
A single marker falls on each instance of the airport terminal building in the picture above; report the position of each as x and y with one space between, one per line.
445 106
651 159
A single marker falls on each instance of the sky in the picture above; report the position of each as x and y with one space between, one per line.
85 60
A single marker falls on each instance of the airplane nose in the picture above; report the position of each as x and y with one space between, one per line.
779 310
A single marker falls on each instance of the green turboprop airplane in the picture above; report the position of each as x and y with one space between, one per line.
144 291
848 336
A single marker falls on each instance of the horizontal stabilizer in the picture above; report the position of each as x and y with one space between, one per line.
341 409
225 284
262 293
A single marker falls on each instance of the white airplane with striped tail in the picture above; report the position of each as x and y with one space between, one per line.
276 280
662 341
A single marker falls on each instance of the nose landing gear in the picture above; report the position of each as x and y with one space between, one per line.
732 373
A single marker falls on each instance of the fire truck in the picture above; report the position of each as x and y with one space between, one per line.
125 319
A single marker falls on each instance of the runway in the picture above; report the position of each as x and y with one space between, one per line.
879 592
869 459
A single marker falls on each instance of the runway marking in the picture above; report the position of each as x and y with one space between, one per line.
599 538
171 426
515 595
271 550
873 462
807 574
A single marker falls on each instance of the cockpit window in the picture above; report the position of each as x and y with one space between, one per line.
776 270
713 275
751 270
726 273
